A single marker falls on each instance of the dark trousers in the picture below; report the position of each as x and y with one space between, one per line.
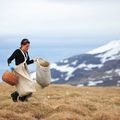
15 96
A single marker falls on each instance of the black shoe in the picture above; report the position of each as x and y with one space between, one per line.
22 99
14 96
25 98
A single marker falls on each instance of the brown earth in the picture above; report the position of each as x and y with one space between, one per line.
62 102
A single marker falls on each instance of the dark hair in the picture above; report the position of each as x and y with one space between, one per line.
25 41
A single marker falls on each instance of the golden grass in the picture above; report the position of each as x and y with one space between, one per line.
62 102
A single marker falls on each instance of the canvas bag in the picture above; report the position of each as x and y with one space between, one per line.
43 74
25 85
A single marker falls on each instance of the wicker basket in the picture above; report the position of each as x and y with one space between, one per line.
10 78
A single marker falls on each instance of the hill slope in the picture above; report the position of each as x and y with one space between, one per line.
62 102
99 67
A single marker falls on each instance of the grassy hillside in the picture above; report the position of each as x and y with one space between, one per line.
62 102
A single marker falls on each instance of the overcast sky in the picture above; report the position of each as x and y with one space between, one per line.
57 28
58 22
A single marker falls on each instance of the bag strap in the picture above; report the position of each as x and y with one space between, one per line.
24 56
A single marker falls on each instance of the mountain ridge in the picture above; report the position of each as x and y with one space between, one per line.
90 69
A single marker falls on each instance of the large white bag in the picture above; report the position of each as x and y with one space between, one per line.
43 74
25 85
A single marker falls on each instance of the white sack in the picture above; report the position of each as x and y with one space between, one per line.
26 85
43 74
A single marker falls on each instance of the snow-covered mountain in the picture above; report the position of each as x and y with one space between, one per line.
99 67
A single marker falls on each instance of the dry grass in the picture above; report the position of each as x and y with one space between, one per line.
62 102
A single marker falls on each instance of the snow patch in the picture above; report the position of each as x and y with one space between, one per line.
68 77
75 62
118 81
109 72
104 77
117 71
90 66
64 68
54 79
114 44
80 85
65 61
69 70
108 52
94 83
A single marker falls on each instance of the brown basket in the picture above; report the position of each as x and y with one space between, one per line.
10 78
